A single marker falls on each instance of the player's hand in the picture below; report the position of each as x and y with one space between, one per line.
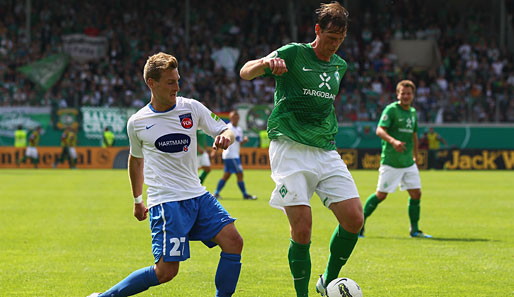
277 65
140 211
221 142
399 146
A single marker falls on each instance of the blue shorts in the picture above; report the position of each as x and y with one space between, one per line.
233 165
175 223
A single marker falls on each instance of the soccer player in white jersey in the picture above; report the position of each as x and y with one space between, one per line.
163 148
232 160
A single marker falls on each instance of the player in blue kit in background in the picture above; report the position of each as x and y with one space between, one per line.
232 160
163 149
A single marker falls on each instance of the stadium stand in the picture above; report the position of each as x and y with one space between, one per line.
474 81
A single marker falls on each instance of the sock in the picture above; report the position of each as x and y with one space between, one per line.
371 204
138 281
220 186
203 175
341 247
414 209
242 187
300 265
227 274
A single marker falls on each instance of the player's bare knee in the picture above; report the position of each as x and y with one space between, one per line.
381 195
165 273
301 235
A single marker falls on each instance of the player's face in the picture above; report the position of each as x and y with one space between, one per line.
234 118
329 40
165 90
405 95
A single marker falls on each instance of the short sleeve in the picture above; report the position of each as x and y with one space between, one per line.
136 146
385 118
209 122
286 52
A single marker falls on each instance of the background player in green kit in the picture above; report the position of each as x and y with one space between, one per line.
303 156
398 128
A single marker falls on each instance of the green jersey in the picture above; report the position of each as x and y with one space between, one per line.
400 124
201 139
304 97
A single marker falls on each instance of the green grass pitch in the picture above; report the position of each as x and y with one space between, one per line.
72 232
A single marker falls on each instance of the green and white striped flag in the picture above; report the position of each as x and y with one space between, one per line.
47 71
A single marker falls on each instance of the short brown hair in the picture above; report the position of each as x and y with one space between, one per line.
332 16
156 64
406 84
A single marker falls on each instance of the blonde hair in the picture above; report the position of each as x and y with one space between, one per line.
406 84
158 63
333 16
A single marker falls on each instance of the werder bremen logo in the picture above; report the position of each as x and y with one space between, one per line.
283 191
324 80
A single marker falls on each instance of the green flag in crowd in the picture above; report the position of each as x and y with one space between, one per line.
47 71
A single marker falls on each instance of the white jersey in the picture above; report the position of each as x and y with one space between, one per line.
167 142
233 151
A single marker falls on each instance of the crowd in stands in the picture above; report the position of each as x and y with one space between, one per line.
473 83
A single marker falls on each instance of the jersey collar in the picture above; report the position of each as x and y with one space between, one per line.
151 108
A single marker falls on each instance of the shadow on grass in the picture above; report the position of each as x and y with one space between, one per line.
438 239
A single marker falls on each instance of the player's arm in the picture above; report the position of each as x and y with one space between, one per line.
399 146
415 146
245 140
223 140
135 168
255 68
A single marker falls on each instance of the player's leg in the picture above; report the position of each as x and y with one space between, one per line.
229 266
59 159
72 157
338 192
295 182
411 182
25 156
371 204
205 165
35 157
204 171
241 183
344 238
214 225
388 180
227 171
300 222
138 281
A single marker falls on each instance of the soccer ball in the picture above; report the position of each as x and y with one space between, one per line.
343 287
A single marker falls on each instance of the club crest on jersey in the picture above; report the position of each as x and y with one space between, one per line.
173 143
186 120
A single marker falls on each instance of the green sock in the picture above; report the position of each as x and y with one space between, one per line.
203 175
300 265
341 247
370 205
414 209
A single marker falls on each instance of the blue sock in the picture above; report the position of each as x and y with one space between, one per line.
221 184
138 281
227 274
242 187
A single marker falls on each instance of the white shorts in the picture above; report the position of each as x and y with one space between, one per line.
204 160
73 153
389 178
31 152
299 170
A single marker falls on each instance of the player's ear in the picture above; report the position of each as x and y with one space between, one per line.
317 28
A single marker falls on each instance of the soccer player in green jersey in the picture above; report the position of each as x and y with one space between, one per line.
203 155
303 156
398 128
